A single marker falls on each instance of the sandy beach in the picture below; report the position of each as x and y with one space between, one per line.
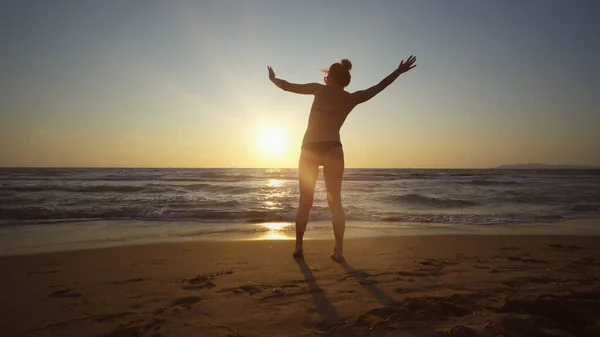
519 285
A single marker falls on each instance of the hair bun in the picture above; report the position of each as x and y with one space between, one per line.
346 64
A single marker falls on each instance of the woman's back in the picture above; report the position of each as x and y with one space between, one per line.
329 110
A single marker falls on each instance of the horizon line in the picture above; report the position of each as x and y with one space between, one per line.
551 166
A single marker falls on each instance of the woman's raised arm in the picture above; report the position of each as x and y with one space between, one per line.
305 89
365 95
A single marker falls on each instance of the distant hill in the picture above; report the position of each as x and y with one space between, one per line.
535 166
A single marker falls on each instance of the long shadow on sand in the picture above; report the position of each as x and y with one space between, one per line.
326 310
383 314
361 276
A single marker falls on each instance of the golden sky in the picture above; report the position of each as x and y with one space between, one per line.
115 84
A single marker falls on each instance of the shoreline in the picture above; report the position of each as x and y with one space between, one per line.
38 239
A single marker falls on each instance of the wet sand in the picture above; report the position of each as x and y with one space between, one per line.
396 286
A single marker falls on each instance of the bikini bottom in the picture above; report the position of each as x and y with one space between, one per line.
321 148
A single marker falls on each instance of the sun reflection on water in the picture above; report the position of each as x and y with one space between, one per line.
273 194
275 236
276 231
275 182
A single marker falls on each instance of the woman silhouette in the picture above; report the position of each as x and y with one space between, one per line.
321 143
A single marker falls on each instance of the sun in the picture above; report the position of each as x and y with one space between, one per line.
273 142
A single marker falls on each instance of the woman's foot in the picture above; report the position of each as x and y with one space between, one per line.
298 252
337 257
338 252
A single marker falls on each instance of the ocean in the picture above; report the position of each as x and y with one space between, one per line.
81 205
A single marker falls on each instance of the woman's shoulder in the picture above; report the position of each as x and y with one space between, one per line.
328 90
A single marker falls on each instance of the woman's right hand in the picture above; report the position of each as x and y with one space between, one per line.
271 73
408 64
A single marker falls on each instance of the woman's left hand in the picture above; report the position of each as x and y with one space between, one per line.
408 64
271 73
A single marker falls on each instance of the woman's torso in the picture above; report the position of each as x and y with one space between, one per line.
329 110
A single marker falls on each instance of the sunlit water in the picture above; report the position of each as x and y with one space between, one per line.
54 207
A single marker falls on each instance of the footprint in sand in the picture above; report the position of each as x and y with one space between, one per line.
561 248
125 331
45 272
510 248
138 328
112 317
129 281
205 285
518 282
304 280
185 301
588 261
437 262
199 282
51 264
383 273
367 282
358 273
552 307
505 269
290 291
524 260
421 273
461 331
65 293
410 309
179 303
251 289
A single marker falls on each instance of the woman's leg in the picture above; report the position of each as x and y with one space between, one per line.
333 171
308 171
